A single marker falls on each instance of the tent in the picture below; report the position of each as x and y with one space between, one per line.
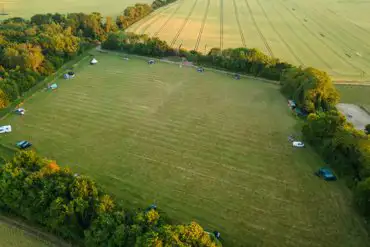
93 61
53 86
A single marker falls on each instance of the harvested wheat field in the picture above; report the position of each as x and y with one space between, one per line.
28 8
330 35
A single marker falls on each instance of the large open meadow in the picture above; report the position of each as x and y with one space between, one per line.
202 146
330 35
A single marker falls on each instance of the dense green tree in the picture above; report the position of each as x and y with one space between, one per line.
26 56
109 25
133 14
75 208
40 19
367 129
160 3
310 88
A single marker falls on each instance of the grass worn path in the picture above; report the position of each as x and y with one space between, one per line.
202 146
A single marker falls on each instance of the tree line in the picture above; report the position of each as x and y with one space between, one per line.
75 208
344 148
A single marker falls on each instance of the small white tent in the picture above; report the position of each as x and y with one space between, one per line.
93 61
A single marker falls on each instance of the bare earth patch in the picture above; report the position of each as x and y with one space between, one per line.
355 115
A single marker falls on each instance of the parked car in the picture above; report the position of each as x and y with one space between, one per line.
326 173
5 129
20 111
298 144
23 144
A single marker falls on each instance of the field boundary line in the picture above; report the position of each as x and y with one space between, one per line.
239 25
263 38
221 24
302 39
169 18
278 33
352 83
337 82
202 26
194 66
184 24
34 232
321 40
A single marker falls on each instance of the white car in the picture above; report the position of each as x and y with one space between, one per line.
5 129
298 144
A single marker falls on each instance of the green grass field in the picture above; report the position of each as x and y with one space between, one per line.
204 147
358 95
330 35
11 236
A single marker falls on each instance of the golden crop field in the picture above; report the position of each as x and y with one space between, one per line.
27 8
330 35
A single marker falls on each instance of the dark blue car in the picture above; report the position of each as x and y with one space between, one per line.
326 173
23 144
